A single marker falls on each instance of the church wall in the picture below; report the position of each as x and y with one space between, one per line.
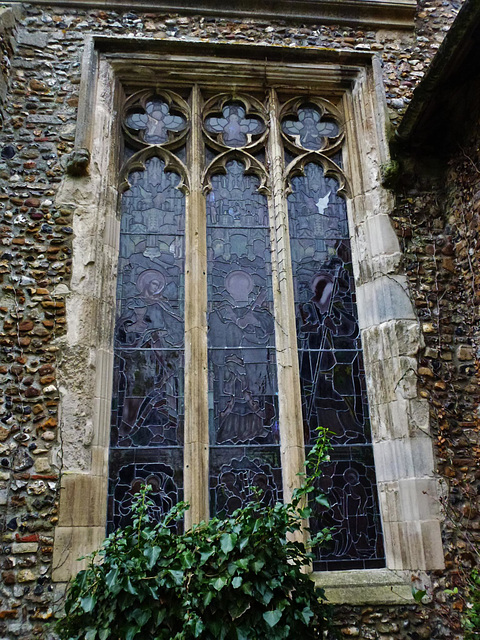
42 73
437 220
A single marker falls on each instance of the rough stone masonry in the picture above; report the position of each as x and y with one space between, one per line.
41 49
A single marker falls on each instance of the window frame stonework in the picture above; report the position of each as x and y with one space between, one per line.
391 337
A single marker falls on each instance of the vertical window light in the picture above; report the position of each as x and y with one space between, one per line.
332 375
147 412
244 436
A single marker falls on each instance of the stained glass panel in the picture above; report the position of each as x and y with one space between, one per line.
147 407
242 375
310 128
353 517
238 472
331 365
162 469
332 376
234 125
156 121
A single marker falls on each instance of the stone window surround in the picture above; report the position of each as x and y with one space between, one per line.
408 487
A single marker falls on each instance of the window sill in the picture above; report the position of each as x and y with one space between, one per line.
366 586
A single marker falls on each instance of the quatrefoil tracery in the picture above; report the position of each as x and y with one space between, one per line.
234 122
311 124
156 119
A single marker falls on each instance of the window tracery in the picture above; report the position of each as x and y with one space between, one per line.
239 144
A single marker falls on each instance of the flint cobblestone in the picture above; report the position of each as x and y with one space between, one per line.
40 54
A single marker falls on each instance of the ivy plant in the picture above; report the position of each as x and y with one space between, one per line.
239 578
472 618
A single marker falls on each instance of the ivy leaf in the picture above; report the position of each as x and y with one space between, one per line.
141 617
111 577
152 554
187 559
418 594
205 555
227 542
90 635
258 565
323 501
160 617
219 583
130 588
199 627
87 603
237 581
237 609
131 633
272 617
307 615
177 576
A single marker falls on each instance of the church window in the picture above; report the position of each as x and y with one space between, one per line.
210 182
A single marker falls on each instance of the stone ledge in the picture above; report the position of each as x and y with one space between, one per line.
366 586
376 13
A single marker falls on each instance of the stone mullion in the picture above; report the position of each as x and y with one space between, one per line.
289 393
196 366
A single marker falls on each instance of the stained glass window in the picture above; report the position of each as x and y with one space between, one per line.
230 166
332 376
234 126
309 128
242 378
155 121
147 415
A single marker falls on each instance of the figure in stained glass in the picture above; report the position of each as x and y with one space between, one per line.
156 121
235 126
310 128
241 327
328 343
242 480
242 321
329 346
348 481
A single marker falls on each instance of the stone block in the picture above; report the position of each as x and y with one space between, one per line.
432 544
384 299
380 236
366 586
82 500
409 499
404 458
70 544
390 420
42 464
101 417
413 545
99 460
25 575
418 413
35 39
24 547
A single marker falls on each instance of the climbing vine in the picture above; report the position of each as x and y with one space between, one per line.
240 578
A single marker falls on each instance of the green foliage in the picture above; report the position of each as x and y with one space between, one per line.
241 578
472 619
418 594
